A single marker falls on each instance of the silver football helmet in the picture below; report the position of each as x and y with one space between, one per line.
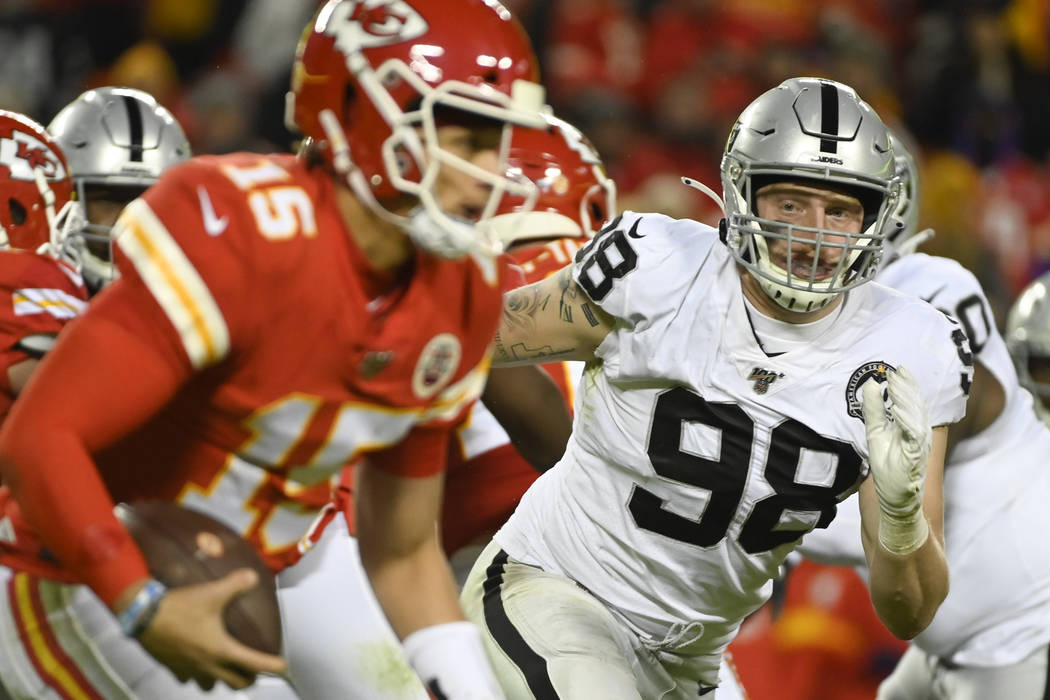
1028 338
904 236
819 133
118 141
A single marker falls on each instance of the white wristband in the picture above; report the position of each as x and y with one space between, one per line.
903 535
450 659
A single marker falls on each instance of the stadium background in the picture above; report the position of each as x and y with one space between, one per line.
656 84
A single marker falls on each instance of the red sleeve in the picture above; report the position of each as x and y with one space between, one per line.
82 400
199 277
38 297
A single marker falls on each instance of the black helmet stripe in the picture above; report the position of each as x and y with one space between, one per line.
829 116
134 127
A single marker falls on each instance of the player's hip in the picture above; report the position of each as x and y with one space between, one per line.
548 631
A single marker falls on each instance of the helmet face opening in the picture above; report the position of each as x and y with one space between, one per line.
819 134
376 80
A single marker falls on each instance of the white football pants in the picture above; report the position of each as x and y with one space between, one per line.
337 641
549 639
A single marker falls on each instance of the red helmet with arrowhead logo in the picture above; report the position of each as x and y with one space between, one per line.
35 184
373 79
575 195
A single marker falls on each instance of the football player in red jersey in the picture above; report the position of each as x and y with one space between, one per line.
574 197
487 471
285 316
38 295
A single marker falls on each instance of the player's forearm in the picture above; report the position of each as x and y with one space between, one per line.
548 321
414 588
531 409
63 498
908 589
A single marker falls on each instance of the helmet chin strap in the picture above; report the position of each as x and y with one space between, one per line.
697 185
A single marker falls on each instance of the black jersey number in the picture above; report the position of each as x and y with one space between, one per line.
974 317
607 258
726 477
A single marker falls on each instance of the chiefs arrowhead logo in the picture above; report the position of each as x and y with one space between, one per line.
36 157
22 153
367 24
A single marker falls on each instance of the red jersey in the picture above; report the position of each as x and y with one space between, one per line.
288 356
486 475
38 296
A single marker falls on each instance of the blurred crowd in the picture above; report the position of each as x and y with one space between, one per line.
654 83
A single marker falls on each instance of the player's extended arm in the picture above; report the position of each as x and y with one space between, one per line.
396 519
901 506
531 408
81 400
549 320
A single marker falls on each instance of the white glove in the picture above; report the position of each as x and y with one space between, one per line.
898 449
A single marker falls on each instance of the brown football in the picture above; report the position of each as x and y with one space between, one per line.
184 546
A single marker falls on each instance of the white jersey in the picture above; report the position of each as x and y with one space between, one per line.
696 460
996 487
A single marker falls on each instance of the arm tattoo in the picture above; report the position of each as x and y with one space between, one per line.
520 352
520 307
571 296
521 310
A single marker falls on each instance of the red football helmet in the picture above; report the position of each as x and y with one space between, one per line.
369 77
35 183
575 195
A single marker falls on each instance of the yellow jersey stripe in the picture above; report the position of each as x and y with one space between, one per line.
174 283
38 645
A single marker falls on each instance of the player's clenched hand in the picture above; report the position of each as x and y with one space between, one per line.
898 450
188 636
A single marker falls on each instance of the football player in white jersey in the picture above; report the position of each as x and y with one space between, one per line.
1028 339
118 141
989 637
727 407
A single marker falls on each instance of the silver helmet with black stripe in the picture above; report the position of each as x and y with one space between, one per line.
817 132
118 141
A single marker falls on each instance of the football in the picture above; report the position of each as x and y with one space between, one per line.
183 547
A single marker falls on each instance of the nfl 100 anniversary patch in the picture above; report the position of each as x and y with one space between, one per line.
762 378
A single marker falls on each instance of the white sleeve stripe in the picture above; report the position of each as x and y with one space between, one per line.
174 283
58 303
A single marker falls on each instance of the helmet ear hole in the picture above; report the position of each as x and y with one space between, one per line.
18 212
349 95
597 213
